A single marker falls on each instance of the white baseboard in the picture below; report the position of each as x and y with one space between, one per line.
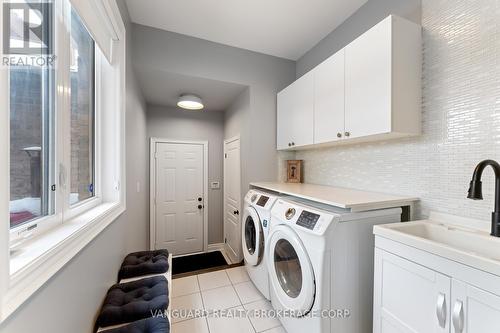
215 247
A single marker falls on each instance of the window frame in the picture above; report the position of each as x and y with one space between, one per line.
25 231
70 211
61 169
52 247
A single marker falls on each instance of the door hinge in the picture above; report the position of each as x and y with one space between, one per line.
225 155
225 240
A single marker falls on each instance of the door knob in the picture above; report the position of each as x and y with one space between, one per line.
236 212
289 144
347 134
200 206
200 199
339 135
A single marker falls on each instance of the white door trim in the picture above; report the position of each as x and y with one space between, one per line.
152 188
234 138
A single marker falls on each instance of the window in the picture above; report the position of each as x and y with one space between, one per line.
38 115
32 107
61 158
82 76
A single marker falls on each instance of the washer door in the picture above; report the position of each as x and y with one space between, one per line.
253 237
290 271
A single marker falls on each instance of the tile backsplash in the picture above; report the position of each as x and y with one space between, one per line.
461 119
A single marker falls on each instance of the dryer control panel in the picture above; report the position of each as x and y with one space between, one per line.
301 217
308 220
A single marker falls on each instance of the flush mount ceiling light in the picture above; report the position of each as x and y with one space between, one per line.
190 102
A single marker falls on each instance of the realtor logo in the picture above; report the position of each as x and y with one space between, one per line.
27 28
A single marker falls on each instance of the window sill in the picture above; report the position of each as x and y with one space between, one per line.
43 256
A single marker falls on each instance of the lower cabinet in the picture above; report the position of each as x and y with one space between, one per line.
409 297
473 309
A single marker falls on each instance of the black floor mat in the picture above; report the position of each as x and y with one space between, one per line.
197 262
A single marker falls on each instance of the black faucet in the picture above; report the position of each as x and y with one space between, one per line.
476 192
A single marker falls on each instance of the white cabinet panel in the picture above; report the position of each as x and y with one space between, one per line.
370 90
474 310
368 82
295 113
329 99
408 297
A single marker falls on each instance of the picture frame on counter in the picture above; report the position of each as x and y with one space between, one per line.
294 171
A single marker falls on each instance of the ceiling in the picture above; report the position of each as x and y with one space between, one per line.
164 88
283 28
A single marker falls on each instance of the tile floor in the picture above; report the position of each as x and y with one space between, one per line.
229 289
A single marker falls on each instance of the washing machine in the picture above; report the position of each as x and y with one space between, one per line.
256 220
320 263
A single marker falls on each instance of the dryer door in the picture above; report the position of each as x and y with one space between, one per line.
252 238
290 271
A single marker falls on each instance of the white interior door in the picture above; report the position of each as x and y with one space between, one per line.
232 199
179 200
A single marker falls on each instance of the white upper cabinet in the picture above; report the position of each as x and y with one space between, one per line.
295 113
329 99
370 90
383 80
368 82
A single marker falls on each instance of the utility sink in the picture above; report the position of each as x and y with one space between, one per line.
474 242
463 240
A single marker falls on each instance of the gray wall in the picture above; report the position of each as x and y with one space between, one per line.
235 123
173 123
366 17
460 122
264 75
69 301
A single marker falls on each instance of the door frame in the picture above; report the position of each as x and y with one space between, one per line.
152 188
226 141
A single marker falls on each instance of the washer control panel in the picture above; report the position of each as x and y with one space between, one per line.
308 220
262 201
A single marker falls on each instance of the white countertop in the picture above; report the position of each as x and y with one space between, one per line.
339 197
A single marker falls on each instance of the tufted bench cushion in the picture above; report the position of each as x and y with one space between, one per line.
144 263
128 302
150 325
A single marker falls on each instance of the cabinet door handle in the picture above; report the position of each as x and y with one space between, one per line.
458 316
441 309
